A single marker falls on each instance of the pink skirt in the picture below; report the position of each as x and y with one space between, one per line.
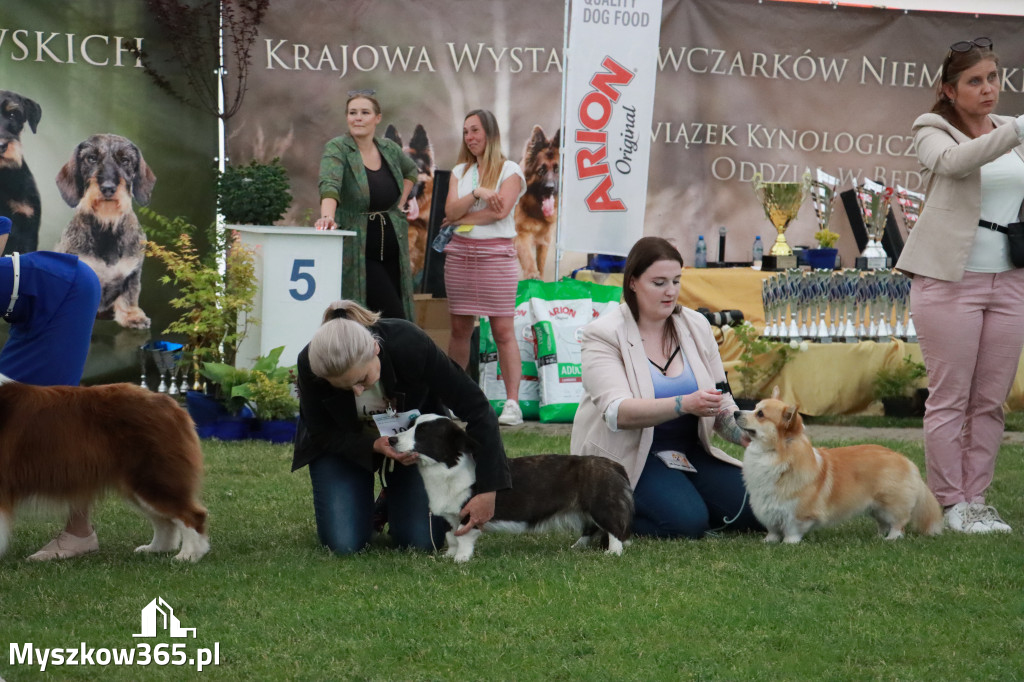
481 276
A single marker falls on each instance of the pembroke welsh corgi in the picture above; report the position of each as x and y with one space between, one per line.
795 487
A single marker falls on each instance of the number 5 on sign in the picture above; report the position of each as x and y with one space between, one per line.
305 278
299 275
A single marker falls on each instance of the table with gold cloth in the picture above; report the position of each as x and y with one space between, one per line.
829 378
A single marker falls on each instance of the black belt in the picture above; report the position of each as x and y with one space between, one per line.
993 226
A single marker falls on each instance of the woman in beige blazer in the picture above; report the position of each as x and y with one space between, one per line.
967 298
652 379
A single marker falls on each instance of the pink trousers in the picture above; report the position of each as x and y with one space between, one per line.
971 335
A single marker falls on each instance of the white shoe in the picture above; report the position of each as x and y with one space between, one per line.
66 546
986 519
957 518
511 415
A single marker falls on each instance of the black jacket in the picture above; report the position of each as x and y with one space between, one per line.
414 374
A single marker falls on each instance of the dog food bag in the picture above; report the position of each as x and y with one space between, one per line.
491 380
560 309
529 387
490 376
605 297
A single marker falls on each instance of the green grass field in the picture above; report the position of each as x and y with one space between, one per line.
843 605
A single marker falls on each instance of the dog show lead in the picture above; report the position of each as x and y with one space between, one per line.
958 255
50 300
361 379
481 267
364 184
652 380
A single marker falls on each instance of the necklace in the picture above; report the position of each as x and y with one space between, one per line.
664 370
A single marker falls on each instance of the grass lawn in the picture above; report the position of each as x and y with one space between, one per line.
842 605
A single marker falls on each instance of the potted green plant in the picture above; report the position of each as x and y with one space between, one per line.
760 360
823 257
895 387
210 298
265 389
209 301
254 194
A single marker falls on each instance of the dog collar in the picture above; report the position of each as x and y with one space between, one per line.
15 257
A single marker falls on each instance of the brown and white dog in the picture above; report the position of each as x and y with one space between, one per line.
590 495
104 173
795 487
66 445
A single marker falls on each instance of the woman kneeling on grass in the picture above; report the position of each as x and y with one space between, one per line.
650 402
359 365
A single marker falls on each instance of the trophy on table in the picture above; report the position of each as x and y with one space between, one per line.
822 283
823 192
781 202
794 281
873 200
851 287
910 203
883 304
770 305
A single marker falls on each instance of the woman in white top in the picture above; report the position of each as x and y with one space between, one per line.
967 298
481 270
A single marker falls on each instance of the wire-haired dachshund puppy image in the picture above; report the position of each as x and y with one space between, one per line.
99 181
19 196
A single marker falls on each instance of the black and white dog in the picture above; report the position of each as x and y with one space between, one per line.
588 494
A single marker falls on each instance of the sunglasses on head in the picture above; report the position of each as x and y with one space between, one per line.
982 43
370 92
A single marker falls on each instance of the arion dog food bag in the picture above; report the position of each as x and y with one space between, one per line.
560 309
490 372
566 306
490 381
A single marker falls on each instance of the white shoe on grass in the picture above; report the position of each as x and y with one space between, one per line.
986 519
511 415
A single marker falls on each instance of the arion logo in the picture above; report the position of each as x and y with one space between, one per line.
158 615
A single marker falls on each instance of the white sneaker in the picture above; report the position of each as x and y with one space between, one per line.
511 415
957 518
986 519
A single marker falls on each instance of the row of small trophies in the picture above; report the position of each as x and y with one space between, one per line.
172 369
847 306
782 200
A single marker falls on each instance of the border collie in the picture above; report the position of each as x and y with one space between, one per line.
588 494
69 444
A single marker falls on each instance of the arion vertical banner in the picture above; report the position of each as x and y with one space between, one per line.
611 64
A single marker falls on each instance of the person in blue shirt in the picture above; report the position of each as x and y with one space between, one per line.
50 301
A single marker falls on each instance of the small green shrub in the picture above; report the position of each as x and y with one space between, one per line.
254 194
899 381
760 359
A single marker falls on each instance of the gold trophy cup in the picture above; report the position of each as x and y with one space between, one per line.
781 202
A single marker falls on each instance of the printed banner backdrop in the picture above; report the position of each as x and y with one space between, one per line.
71 59
741 87
610 73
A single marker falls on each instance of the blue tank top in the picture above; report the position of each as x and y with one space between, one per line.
679 433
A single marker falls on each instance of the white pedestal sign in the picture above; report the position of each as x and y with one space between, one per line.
298 270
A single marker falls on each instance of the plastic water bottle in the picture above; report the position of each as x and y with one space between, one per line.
701 260
443 237
758 251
